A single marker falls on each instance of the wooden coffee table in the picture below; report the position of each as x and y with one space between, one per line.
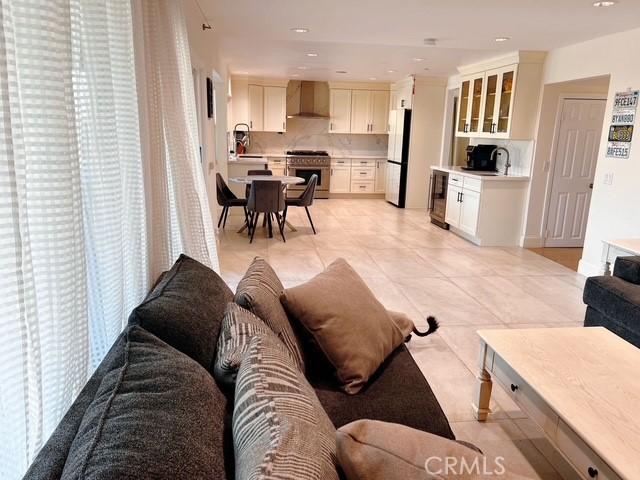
580 385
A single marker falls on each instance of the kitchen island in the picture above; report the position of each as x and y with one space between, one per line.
487 210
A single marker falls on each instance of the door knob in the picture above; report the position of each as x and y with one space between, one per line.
591 186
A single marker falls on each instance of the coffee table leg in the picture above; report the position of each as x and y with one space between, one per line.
483 387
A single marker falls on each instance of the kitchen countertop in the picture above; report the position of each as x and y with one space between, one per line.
252 159
489 178
381 156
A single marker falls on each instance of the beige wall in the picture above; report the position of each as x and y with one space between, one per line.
541 173
614 209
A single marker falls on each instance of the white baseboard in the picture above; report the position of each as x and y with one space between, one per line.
589 269
532 241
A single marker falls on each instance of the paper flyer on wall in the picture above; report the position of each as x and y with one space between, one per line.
623 120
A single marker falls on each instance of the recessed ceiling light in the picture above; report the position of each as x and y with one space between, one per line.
391 71
300 30
243 73
295 75
303 68
610 3
373 78
417 59
341 71
311 54
503 39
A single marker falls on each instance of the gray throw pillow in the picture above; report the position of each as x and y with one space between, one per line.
186 308
259 292
239 326
157 414
279 427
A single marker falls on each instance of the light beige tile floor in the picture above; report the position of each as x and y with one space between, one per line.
415 267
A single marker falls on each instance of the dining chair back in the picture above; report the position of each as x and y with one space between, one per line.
266 196
227 199
255 172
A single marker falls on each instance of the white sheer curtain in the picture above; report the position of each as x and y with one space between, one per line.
181 219
72 221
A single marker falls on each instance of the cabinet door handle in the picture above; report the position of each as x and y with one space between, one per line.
332 172
331 127
251 123
284 126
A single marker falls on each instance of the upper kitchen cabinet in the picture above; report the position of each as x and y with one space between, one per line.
499 98
275 109
256 107
340 111
260 103
358 108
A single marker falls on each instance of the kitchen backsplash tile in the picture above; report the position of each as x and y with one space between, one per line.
520 154
313 134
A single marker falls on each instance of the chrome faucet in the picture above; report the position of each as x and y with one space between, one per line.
508 164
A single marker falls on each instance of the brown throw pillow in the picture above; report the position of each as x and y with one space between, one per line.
259 292
387 451
347 322
402 321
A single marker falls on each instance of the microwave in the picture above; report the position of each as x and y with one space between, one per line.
479 158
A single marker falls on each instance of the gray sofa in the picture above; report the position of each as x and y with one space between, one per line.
614 301
153 410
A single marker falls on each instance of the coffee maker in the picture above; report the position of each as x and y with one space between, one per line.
479 158
241 138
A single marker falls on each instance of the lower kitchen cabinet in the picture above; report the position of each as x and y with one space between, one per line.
381 176
340 179
486 211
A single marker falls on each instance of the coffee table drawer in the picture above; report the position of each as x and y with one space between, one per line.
524 396
586 462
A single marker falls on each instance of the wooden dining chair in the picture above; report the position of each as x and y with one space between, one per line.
305 200
266 197
227 199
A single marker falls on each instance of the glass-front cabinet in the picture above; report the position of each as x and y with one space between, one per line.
486 103
470 105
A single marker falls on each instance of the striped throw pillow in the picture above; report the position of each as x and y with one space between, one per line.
280 430
238 327
259 292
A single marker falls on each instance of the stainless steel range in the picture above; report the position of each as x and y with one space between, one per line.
304 164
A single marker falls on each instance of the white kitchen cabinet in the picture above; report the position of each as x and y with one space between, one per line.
362 186
340 111
381 176
379 112
340 179
275 109
469 209
278 165
369 111
499 98
452 215
256 107
360 111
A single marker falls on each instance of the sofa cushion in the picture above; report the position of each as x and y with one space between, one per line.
403 322
397 393
346 320
259 292
157 414
279 428
628 268
385 451
239 326
186 309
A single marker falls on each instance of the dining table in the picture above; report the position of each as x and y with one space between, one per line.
286 180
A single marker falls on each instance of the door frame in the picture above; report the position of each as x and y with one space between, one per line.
551 163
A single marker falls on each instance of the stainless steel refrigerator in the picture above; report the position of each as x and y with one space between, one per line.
398 156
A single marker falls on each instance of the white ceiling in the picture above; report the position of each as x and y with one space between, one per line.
369 37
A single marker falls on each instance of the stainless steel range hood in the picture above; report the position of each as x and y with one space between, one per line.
308 99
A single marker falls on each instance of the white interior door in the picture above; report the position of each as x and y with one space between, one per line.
576 154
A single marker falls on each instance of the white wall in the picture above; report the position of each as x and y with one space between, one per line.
614 209
541 177
426 137
204 57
